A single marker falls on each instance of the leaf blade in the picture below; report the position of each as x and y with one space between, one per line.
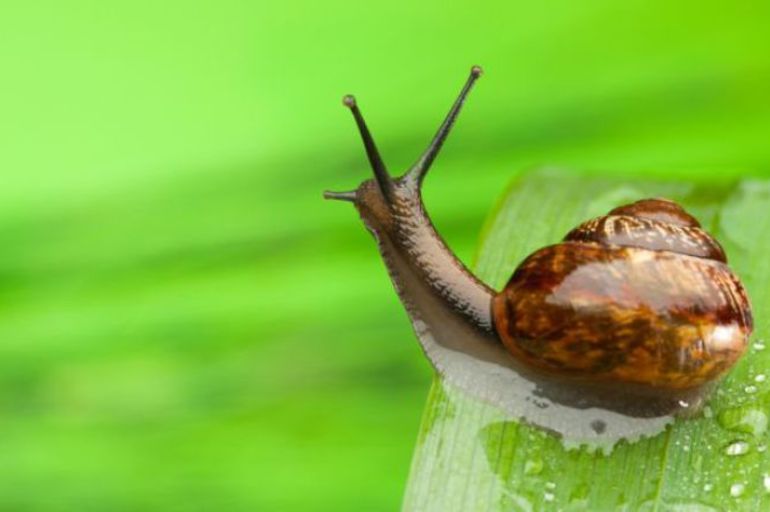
524 468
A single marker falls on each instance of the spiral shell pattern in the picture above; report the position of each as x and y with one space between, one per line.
642 295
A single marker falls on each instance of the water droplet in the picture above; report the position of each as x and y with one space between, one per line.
744 419
737 490
697 464
751 388
533 467
766 483
684 404
708 487
760 378
737 448
550 485
549 496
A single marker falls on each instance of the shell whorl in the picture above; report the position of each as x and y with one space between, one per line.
655 224
646 233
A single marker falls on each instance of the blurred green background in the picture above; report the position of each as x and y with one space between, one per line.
186 325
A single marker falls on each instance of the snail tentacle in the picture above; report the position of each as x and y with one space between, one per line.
349 195
378 166
420 168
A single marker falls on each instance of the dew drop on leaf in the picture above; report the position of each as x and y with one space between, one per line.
744 419
736 490
737 448
533 466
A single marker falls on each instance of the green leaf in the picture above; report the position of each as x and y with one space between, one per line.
471 457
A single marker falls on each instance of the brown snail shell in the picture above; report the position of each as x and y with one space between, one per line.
628 298
626 322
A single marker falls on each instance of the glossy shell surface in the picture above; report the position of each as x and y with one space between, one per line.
640 296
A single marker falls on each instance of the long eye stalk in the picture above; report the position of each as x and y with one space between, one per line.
420 168
375 160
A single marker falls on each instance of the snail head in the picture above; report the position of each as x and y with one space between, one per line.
377 197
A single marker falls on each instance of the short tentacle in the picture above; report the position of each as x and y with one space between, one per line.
349 195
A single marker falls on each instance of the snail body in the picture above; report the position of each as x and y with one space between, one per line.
634 313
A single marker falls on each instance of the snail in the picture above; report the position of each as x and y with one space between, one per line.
632 316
